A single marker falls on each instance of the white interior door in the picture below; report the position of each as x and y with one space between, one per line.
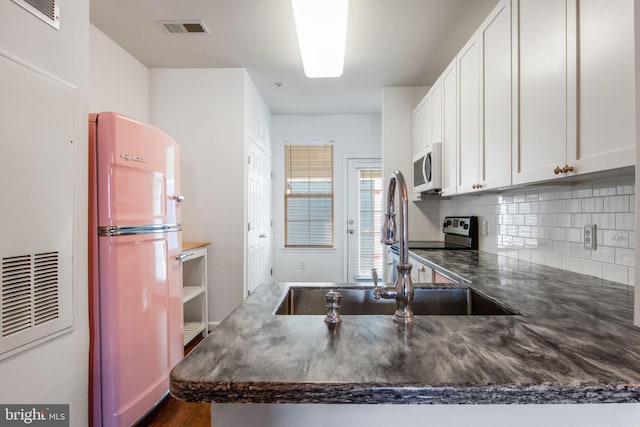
364 218
259 227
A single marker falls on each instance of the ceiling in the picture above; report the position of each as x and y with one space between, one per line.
389 43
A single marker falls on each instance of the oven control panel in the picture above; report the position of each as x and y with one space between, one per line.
460 225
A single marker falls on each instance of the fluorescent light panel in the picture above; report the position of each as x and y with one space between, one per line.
322 33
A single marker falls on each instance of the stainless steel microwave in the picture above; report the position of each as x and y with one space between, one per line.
427 169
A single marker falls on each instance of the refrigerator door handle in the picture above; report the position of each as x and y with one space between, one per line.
128 230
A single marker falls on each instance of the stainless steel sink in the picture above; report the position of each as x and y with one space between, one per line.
459 301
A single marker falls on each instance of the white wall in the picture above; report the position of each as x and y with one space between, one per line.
352 135
56 371
117 81
397 105
203 110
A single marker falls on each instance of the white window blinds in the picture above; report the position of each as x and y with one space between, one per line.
308 196
370 220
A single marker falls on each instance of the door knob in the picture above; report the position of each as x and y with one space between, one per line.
178 198
351 231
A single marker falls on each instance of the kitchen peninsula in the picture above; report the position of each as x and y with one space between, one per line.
572 341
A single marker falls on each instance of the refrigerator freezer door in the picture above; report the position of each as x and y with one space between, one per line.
141 315
138 166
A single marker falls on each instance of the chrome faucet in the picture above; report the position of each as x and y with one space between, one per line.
403 291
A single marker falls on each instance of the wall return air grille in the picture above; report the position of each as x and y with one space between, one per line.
47 10
30 295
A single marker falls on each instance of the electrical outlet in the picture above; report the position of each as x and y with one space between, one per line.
303 266
589 236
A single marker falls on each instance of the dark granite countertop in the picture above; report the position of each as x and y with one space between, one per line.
573 342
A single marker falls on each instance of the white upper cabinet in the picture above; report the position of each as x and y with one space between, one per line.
544 89
606 86
449 81
484 93
574 108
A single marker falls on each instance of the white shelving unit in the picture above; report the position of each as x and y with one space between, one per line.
194 290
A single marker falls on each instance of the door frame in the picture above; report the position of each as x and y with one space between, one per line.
345 202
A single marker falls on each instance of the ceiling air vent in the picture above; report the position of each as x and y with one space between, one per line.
184 27
47 10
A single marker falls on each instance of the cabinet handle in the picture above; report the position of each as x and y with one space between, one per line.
567 168
557 170
476 186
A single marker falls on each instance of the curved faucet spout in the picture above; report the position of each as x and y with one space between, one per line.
403 292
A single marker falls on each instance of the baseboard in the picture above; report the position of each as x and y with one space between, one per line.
212 325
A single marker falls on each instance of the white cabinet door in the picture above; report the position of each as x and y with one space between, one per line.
449 129
415 271
606 101
540 70
426 122
469 115
436 112
484 91
496 109
417 129
387 276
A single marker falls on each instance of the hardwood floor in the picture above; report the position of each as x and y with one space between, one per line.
176 413
172 412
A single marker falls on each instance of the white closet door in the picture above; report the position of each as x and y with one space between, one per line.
259 238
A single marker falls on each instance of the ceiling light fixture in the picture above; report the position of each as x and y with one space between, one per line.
322 33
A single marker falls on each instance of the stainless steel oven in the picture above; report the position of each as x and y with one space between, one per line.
460 233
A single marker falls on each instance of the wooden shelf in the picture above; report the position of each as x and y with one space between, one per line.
193 245
191 330
194 290
190 292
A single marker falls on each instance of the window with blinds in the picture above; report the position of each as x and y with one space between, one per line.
370 219
308 196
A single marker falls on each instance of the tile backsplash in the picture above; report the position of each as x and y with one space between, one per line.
544 225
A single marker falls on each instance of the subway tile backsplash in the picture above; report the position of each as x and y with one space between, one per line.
544 225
